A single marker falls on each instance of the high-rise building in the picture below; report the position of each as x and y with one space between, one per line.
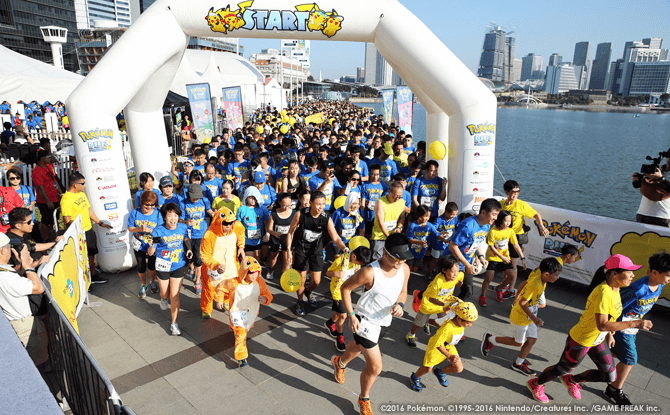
563 78
653 42
492 60
144 4
600 66
531 67
89 11
555 59
20 23
360 75
635 52
370 63
614 77
383 72
515 75
508 59
581 58
650 78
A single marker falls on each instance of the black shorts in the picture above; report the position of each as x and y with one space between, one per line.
251 248
367 344
312 259
338 307
195 248
275 243
178 273
369 224
145 261
91 242
47 214
513 253
499 266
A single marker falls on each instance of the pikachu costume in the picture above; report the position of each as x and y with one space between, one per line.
245 294
217 248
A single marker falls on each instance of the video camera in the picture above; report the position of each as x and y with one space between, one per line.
650 168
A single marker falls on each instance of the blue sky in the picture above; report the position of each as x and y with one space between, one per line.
542 27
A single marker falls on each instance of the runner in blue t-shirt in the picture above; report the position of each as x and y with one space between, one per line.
238 168
445 226
195 208
325 181
166 186
268 194
147 183
372 191
429 190
388 167
212 183
348 222
254 216
421 234
141 222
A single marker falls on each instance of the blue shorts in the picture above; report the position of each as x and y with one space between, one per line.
624 348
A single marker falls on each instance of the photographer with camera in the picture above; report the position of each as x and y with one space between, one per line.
654 184
20 226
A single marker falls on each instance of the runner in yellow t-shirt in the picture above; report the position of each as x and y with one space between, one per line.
227 198
389 216
592 336
523 318
498 254
437 298
442 345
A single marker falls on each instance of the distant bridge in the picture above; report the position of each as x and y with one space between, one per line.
529 98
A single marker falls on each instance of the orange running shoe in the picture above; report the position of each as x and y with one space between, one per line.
416 301
365 405
339 372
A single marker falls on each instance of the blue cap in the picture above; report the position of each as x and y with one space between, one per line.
259 177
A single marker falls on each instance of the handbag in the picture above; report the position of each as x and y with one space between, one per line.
523 238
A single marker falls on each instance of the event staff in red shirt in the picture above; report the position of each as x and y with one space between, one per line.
47 192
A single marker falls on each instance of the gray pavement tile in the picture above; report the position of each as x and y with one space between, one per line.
181 407
659 383
152 397
123 361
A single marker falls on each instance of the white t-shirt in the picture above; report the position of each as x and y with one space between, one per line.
655 209
14 291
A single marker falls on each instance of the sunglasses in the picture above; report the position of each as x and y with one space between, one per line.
396 259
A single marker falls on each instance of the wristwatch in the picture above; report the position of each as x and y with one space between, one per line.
401 304
31 270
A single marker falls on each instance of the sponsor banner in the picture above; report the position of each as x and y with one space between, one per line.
387 99
200 100
97 140
68 271
405 107
232 105
482 134
597 238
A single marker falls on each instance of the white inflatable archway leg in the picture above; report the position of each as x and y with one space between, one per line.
135 74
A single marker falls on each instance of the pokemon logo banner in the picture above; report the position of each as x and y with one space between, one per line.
305 17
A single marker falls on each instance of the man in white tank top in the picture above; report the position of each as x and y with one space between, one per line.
385 293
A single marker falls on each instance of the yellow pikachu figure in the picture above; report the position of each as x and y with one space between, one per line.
215 22
333 24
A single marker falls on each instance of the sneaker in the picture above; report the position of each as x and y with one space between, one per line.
174 328
164 304
154 286
198 288
243 363
537 391
299 309
206 316
507 294
486 344
500 295
271 274
416 301
365 406
411 340
311 300
441 377
143 292
332 329
573 387
616 395
340 345
97 279
482 300
339 372
523 368
415 383
426 328
191 275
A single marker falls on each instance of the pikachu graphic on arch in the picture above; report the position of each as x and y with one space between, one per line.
329 23
225 20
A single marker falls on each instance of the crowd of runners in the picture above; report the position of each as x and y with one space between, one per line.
350 188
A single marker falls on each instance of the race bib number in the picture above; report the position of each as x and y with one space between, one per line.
501 245
417 248
533 309
214 274
347 274
372 204
445 291
163 265
238 318
427 201
282 229
348 233
630 330
600 338
369 330
311 236
254 234
135 243
390 225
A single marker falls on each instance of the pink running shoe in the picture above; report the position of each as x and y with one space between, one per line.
573 387
537 391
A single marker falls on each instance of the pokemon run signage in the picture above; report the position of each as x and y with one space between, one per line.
305 17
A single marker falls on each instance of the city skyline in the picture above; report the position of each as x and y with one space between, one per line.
573 22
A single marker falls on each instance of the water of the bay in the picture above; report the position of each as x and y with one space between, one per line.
575 160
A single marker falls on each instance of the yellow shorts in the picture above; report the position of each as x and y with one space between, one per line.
434 357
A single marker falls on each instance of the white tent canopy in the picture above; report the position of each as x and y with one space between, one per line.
25 78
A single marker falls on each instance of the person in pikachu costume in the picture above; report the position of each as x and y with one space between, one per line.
245 294
221 251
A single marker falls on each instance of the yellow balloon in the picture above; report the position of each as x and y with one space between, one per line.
357 241
284 119
291 121
437 150
260 129
290 281
283 113
283 129
339 202
330 121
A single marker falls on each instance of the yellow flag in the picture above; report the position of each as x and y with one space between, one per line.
315 118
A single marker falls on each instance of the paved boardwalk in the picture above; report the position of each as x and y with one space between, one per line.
290 370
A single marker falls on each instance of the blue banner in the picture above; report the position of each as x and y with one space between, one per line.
387 98
200 100
232 105
405 107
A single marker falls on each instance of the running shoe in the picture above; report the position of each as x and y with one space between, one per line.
242 363
482 300
523 368
339 372
164 304
311 300
507 294
154 286
573 387
486 344
411 340
299 309
206 316
415 383
441 377
340 345
143 292
500 295
426 328
537 391
270 275
332 328
97 279
416 301
198 288
616 396
191 275
174 328
365 406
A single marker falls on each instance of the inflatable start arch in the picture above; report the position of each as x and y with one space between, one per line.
136 73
